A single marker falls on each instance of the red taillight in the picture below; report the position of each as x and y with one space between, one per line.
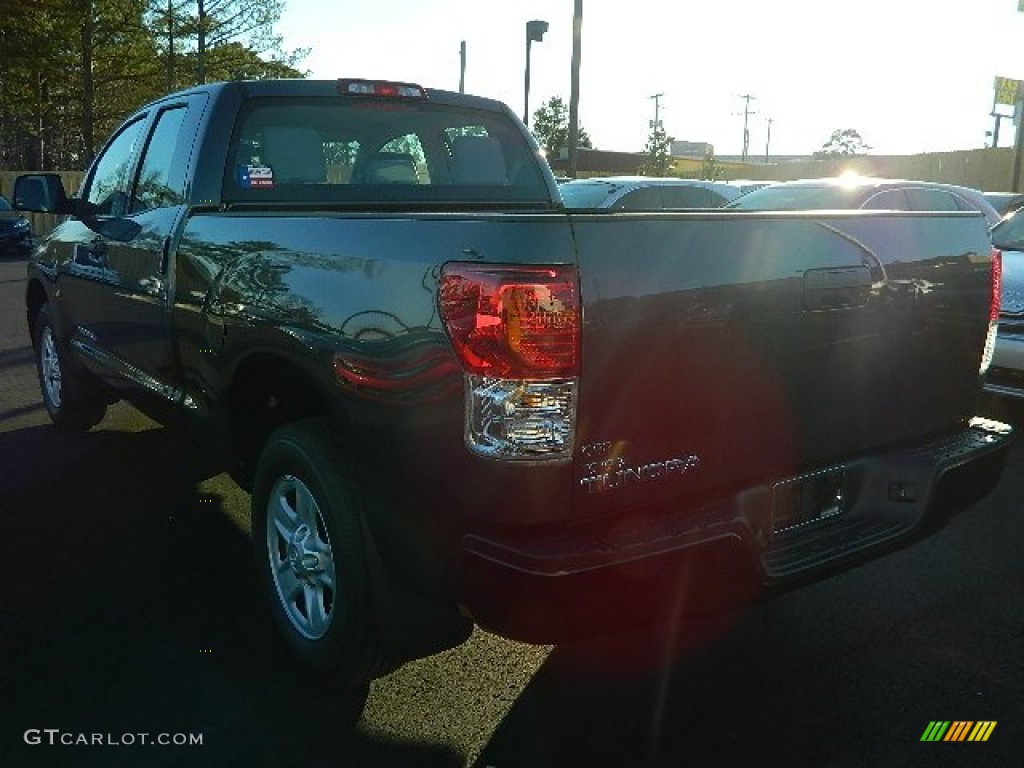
512 322
993 311
997 285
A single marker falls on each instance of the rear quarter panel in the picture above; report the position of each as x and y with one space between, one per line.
353 299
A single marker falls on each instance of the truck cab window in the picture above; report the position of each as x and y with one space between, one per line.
359 151
152 188
106 188
405 162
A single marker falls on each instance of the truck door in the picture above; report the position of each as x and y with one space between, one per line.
120 272
80 251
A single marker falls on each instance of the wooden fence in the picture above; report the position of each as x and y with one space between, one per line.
990 170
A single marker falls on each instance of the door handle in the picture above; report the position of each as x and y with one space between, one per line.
92 254
152 286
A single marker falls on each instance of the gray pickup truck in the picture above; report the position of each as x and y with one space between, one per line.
455 401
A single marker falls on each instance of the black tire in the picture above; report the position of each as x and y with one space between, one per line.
312 558
69 399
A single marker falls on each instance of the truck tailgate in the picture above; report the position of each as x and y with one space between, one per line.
723 349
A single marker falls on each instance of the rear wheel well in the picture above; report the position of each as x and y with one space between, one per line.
266 392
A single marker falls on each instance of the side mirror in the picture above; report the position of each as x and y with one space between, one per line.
41 193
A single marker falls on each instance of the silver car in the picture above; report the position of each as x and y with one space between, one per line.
646 193
1006 376
851 192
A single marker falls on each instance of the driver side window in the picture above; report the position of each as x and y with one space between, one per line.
107 187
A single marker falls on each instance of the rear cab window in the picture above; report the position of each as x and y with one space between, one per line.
366 150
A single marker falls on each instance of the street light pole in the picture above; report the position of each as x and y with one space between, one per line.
462 67
574 86
1018 155
534 31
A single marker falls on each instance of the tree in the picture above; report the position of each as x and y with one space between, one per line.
112 69
207 40
26 66
844 142
658 160
71 70
551 127
711 169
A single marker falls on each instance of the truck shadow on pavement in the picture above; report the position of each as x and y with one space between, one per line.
129 605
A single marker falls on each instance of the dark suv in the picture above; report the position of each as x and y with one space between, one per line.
15 232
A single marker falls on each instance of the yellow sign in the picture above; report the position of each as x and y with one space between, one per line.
1007 90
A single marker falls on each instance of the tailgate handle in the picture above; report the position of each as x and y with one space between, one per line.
836 288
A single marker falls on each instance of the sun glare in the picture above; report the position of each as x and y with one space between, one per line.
850 179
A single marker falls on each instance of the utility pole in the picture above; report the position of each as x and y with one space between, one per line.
462 67
747 98
656 122
170 47
768 142
1018 111
201 18
574 85
995 133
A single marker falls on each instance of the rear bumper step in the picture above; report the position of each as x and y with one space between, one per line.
554 585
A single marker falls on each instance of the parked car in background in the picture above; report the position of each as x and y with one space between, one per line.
1006 375
646 193
748 185
15 231
1005 202
843 192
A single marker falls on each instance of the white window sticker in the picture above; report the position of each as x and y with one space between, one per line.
255 176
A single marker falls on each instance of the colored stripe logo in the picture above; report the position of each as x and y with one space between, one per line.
958 730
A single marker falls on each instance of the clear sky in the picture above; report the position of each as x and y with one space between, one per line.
910 75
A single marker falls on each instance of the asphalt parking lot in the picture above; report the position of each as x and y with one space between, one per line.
129 606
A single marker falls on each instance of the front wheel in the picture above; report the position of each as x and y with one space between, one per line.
308 531
66 395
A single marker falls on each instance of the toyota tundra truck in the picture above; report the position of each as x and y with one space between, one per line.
457 403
